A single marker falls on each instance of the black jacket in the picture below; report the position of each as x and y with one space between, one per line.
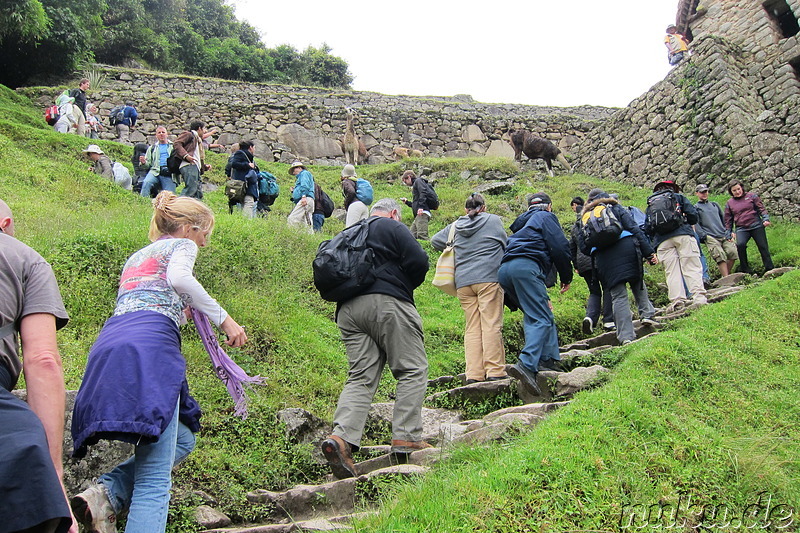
240 170
420 195
407 263
690 216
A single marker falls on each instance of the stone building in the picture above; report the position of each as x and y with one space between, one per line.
728 111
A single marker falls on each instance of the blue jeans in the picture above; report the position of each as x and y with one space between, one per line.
142 483
166 183
317 221
191 179
523 279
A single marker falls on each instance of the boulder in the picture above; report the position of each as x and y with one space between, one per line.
208 517
380 415
308 144
302 427
498 148
579 379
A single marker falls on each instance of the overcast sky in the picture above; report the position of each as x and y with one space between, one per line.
560 53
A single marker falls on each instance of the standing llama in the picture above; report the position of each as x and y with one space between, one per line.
350 143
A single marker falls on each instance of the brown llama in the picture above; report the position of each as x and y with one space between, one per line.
523 141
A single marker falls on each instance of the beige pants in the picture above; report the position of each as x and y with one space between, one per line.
357 211
681 258
300 217
483 337
81 130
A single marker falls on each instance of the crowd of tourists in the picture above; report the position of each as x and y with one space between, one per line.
370 269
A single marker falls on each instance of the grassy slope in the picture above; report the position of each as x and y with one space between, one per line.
259 270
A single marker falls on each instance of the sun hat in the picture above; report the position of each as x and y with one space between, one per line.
349 171
296 164
668 184
93 149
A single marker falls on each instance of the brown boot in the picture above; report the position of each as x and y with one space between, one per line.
408 446
337 451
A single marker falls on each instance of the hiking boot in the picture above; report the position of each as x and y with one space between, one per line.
588 325
526 378
650 321
498 378
472 381
550 364
337 452
609 326
93 510
408 446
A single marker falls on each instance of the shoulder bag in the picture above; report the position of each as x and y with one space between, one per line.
445 276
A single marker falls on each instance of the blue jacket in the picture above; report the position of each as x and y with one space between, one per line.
303 186
542 240
133 383
129 116
240 170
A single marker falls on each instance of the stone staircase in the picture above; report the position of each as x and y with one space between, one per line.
330 506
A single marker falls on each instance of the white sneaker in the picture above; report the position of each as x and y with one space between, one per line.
588 326
93 510
609 326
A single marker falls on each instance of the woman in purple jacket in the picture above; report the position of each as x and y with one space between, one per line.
747 212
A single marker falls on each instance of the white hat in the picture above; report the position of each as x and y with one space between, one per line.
93 149
349 171
296 164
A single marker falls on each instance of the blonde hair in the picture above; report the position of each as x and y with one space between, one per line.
170 212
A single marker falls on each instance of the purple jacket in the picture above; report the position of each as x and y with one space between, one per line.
746 212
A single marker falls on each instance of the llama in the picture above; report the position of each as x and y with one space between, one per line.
523 141
401 152
350 143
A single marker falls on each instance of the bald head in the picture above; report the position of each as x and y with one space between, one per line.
6 219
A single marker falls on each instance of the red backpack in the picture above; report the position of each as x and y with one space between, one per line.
51 115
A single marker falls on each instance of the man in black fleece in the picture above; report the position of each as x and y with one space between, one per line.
381 326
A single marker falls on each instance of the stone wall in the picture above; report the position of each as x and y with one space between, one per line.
291 122
732 110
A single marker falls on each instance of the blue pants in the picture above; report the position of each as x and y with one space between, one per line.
191 179
317 221
119 482
523 279
165 182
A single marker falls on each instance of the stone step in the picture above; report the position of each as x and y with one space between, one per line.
335 497
331 523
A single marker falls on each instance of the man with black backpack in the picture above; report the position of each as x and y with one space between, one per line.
379 325
423 201
244 169
670 216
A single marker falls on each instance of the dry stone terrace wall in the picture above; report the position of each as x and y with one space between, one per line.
730 111
282 118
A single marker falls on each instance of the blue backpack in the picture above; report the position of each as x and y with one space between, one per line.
268 184
364 191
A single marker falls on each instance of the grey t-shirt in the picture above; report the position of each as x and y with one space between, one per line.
27 286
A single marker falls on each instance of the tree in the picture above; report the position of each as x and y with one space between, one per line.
23 19
325 70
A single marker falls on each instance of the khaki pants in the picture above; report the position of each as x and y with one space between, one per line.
300 217
379 330
483 337
419 228
81 129
681 258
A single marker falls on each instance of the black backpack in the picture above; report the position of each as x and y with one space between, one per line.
600 226
324 201
664 213
345 266
117 115
433 198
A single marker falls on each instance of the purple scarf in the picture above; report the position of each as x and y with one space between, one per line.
229 372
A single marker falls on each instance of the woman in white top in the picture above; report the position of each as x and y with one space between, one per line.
134 388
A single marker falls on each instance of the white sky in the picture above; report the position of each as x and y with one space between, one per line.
556 52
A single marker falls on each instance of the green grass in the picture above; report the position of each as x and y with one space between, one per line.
698 408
